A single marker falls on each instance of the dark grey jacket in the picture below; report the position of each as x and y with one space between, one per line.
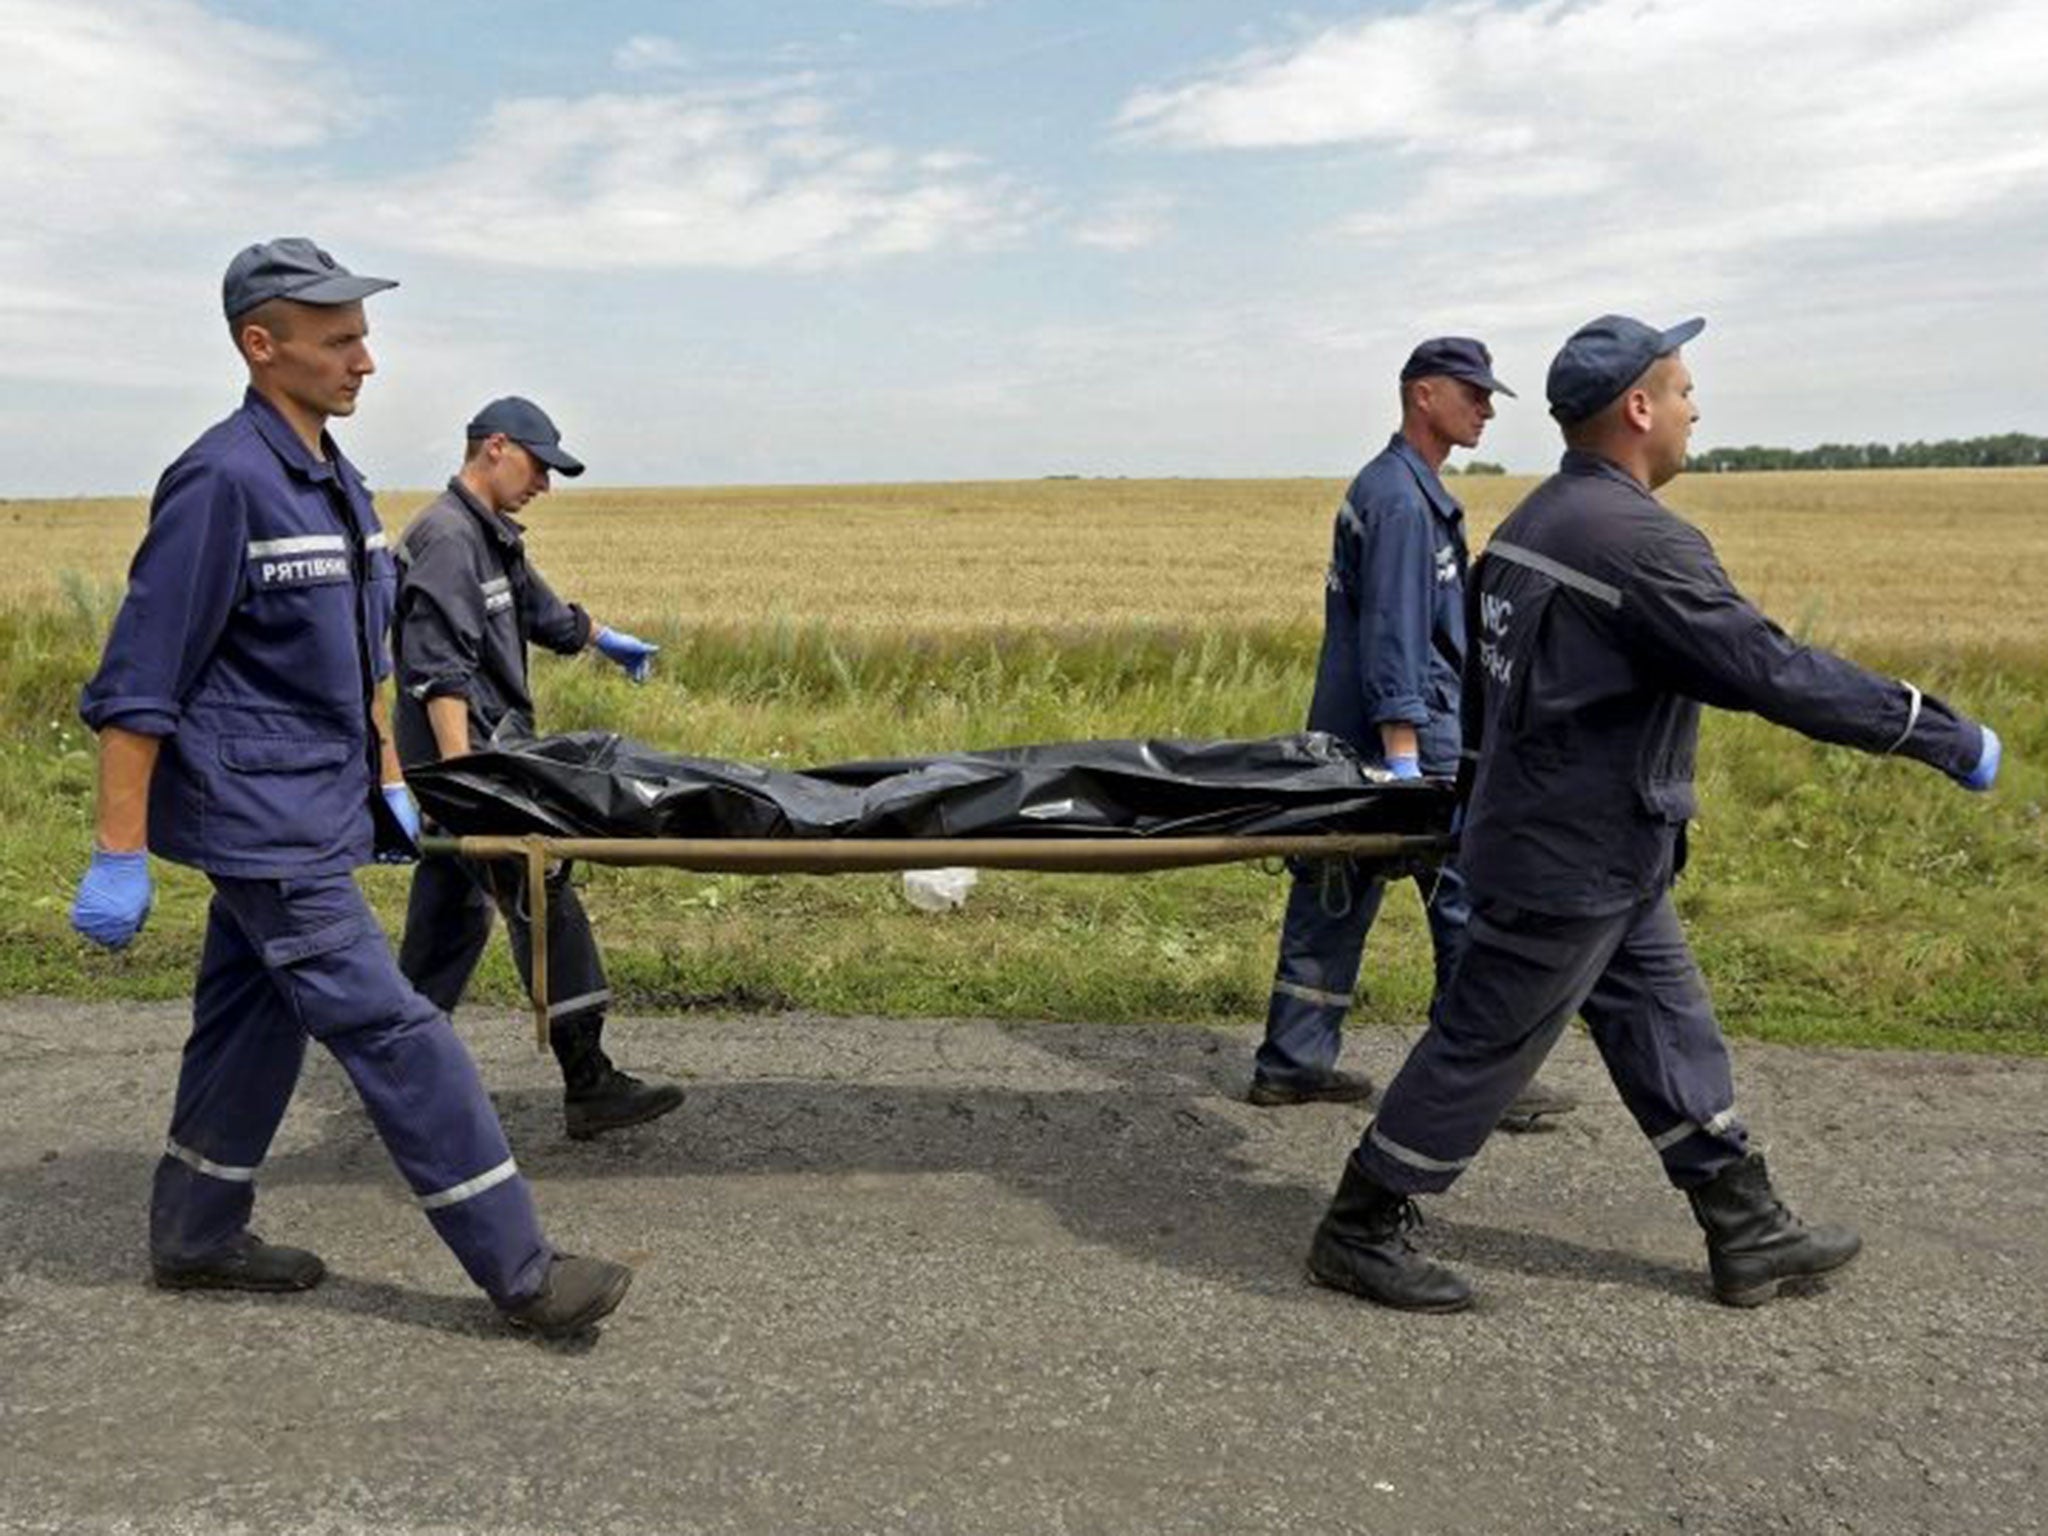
468 604
1600 623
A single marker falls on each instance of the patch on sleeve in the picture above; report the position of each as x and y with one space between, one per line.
309 560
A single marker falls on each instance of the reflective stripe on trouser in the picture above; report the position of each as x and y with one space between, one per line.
448 925
235 1079
1654 1024
1330 910
1522 978
291 959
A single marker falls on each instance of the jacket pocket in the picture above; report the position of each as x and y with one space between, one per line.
1670 799
285 754
281 799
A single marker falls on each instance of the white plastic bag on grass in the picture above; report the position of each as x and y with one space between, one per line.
938 890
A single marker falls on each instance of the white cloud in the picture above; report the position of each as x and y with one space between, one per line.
1820 180
647 52
1129 223
131 113
1612 132
128 134
134 135
744 179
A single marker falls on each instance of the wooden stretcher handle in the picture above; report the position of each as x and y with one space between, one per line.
840 856
536 849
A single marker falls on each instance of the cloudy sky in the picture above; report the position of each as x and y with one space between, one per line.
789 240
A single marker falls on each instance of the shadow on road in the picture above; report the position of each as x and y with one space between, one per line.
1150 1158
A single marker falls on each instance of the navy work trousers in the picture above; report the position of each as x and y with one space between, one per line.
288 960
1523 976
1330 910
448 923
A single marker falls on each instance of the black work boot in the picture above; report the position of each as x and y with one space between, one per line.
614 1101
596 1096
1327 1087
246 1264
576 1294
1361 1246
1535 1104
1753 1243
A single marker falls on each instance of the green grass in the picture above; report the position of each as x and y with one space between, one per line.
1832 898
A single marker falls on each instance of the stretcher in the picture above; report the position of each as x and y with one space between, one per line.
847 856
1095 807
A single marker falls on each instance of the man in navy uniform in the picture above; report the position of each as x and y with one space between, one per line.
468 604
241 733
1602 622
1387 682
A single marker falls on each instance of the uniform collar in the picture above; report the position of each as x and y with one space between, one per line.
500 525
286 444
1575 462
1432 484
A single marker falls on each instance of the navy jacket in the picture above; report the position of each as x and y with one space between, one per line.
250 640
1601 622
1394 610
468 603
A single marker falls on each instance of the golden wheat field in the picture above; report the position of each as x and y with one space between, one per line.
1926 559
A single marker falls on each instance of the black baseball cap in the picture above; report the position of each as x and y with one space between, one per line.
1454 357
528 426
1603 357
291 268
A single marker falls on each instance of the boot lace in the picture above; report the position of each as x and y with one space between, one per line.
1400 1220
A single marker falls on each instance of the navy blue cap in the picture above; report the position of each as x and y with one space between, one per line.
528 426
291 268
1603 357
1454 357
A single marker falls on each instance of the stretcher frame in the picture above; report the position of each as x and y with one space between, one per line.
847 856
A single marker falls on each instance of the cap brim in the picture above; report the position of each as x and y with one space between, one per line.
563 463
1679 335
1480 377
342 288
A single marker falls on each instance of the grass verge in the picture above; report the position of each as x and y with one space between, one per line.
1833 897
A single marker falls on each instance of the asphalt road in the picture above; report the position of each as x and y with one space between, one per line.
966 1277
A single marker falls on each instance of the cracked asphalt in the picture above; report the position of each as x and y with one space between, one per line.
957 1276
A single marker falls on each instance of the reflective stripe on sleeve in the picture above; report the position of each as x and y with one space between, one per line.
1411 1157
376 541
303 544
1313 995
468 1189
207 1166
1578 581
1685 1128
1912 718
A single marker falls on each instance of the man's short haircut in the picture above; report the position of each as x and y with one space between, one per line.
1585 435
1591 431
274 315
1411 387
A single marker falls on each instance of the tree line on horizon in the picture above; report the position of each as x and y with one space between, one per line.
2005 450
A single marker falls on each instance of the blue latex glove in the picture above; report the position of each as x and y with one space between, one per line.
634 655
1404 765
1985 774
407 811
113 899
